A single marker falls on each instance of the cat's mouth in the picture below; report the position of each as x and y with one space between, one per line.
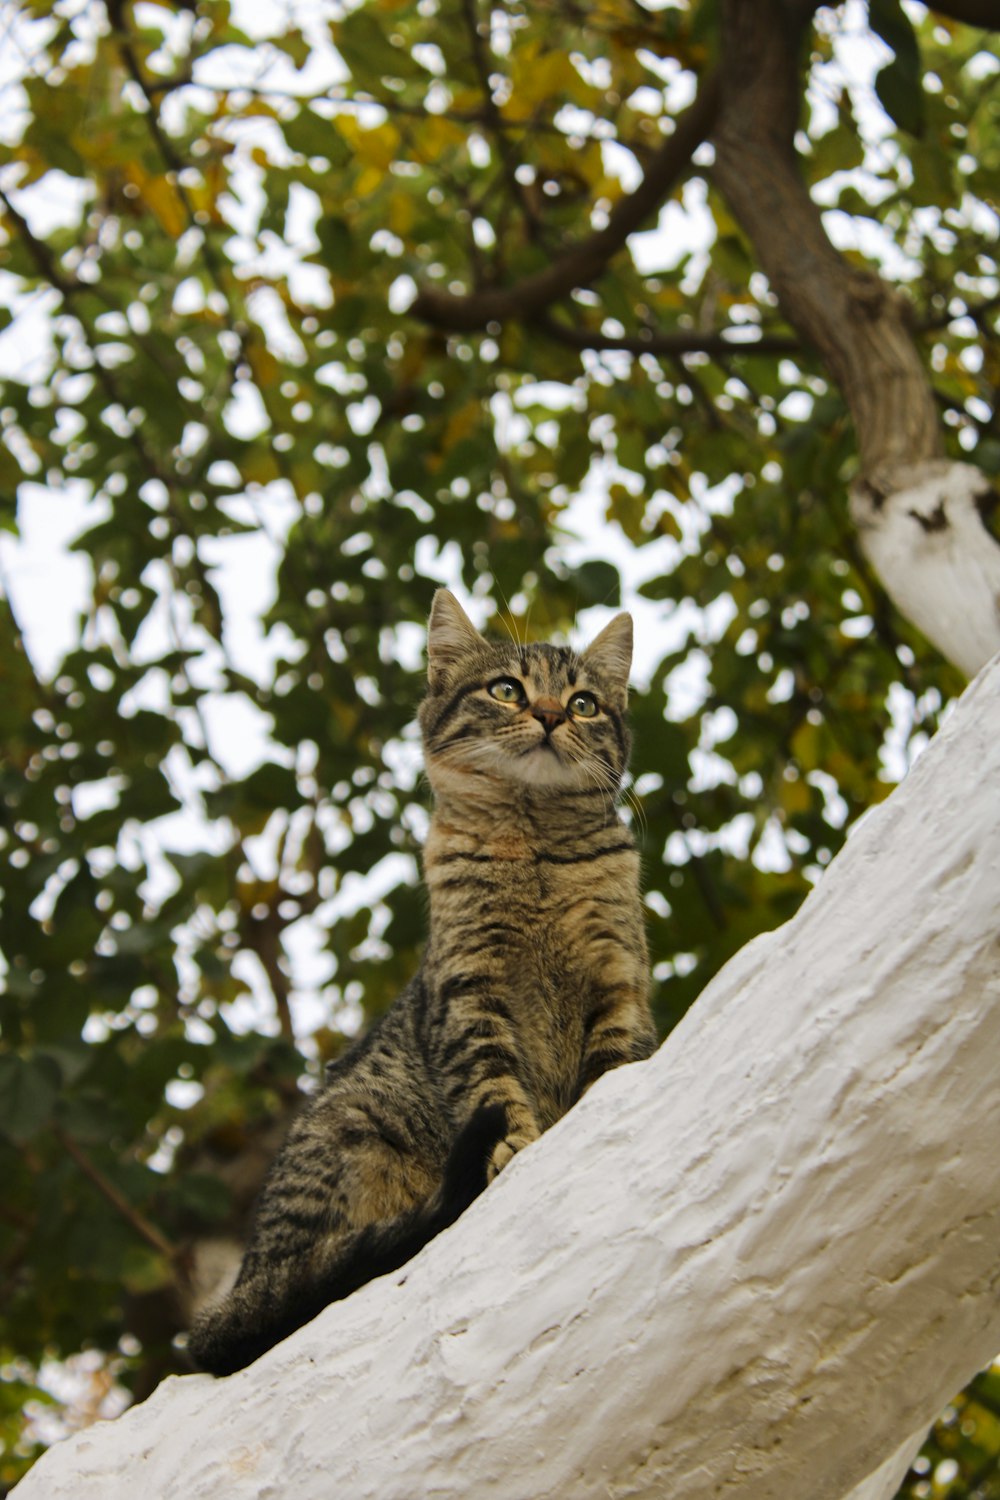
540 763
543 764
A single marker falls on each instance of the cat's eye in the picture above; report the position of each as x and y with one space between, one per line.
583 705
506 690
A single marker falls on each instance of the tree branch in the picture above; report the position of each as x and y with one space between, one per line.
984 13
729 340
494 119
859 325
673 341
40 253
138 1221
263 937
585 261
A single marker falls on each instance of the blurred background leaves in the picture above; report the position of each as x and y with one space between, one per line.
214 220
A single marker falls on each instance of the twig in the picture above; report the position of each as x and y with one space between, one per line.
585 261
138 1221
672 342
981 13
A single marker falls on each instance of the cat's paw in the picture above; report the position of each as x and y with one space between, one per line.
503 1151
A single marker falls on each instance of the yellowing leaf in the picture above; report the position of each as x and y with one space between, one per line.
545 78
460 424
371 148
795 796
307 476
400 214
259 467
263 364
435 137
160 197
370 179
806 745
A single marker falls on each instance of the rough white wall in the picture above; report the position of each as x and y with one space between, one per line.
759 1260
926 539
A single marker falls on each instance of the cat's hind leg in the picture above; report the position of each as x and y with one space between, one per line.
387 1243
313 1257
341 1175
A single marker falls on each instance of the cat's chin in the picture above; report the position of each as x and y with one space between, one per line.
543 766
540 766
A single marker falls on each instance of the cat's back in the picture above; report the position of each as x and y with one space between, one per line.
379 1088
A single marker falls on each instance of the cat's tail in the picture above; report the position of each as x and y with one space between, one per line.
267 1306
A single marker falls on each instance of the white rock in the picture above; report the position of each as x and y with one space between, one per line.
761 1259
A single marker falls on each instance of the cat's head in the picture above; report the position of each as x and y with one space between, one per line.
535 714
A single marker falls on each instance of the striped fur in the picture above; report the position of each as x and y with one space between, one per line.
534 982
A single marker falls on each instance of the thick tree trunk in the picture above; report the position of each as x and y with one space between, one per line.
920 519
761 1259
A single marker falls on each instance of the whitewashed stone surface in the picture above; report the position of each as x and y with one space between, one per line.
927 541
755 1263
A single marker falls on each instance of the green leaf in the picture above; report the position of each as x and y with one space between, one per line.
295 46
597 583
29 1088
86 1116
364 43
144 1270
899 85
337 247
889 20
900 92
206 1198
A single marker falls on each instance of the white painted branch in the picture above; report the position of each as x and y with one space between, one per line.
883 1483
922 529
758 1261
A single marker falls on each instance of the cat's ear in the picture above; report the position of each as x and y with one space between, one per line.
611 652
451 635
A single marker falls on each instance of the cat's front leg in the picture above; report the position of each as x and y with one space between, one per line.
505 1088
479 1065
508 1148
618 1028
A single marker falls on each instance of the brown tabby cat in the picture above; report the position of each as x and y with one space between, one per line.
533 984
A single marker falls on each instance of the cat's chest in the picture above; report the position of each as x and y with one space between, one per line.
543 911
557 914
587 904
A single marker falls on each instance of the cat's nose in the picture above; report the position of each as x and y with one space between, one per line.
549 712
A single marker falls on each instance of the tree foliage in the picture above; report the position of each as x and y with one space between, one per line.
351 301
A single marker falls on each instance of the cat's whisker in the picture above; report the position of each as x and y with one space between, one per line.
465 754
598 773
607 778
631 801
510 621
